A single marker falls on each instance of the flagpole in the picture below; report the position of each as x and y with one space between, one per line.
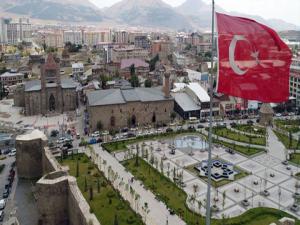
208 208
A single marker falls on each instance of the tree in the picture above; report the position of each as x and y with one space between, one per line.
85 184
91 193
134 80
116 220
99 125
98 185
148 83
77 168
290 139
137 157
153 62
132 70
186 80
173 116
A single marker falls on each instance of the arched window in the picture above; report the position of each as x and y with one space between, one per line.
154 118
112 121
51 103
133 121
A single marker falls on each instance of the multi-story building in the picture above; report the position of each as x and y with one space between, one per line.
162 48
11 78
73 36
128 52
77 69
53 38
92 38
3 30
17 31
295 80
141 42
121 37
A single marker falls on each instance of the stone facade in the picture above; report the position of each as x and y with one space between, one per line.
29 155
59 198
266 115
130 114
49 96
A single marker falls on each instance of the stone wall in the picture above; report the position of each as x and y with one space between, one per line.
59 200
30 148
123 114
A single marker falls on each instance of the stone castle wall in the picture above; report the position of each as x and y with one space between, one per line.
59 199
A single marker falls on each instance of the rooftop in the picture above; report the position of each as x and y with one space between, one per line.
126 63
185 102
35 85
122 96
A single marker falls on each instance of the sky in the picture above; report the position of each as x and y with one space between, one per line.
287 10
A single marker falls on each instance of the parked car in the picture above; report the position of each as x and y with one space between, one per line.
96 134
13 152
1 216
92 141
130 135
68 145
168 130
77 136
5 193
99 140
200 126
2 204
250 122
125 129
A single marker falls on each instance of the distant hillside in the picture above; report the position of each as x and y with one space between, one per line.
69 10
150 13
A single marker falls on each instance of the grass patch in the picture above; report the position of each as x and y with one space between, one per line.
289 144
288 125
251 129
241 174
122 145
295 158
246 150
235 136
2 166
175 198
108 202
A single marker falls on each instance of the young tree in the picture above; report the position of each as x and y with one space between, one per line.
77 168
99 125
148 83
98 185
116 220
91 193
85 184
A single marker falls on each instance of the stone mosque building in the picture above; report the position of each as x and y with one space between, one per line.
130 107
49 96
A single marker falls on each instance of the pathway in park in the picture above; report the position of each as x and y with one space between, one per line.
232 141
158 214
275 147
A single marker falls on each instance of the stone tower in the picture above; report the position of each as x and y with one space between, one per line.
166 87
30 154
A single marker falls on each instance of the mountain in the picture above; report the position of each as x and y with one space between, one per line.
199 15
66 10
149 13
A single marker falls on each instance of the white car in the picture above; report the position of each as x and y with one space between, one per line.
60 140
278 114
159 131
2 204
13 152
105 132
96 134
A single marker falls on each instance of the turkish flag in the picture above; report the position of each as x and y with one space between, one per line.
254 63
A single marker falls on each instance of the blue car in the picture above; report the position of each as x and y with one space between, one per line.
92 141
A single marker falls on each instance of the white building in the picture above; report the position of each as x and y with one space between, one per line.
77 69
13 32
295 80
73 36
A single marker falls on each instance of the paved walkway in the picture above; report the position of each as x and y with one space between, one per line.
158 211
275 147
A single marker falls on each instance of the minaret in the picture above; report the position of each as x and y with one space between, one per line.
166 87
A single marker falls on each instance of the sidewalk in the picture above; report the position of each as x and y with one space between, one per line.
158 213
275 147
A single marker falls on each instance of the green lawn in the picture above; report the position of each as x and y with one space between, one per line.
246 150
232 135
251 129
241 174
175 199
108 202
288 125
122 145
295 158
286 141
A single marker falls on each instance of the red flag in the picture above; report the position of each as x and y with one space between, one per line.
254 63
